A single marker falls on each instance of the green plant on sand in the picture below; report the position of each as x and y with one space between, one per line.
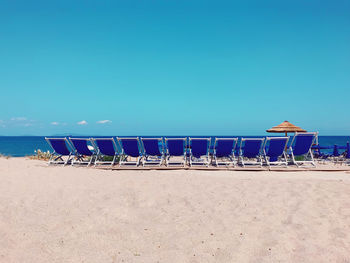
40 155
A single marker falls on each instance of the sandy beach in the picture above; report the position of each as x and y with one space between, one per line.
70 214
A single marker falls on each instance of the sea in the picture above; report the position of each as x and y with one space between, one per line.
19 146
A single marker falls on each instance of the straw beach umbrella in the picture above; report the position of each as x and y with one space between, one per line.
285 127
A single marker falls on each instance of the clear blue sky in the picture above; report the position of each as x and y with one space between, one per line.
173 67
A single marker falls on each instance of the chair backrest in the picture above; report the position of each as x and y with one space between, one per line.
199 146
224 147
81 146
275 146
106 146
130 146
59 145
251 147
302 142
151 146
176 146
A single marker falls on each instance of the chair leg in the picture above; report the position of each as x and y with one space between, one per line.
68 159
285 159
91 158
50 160
121 160
261 162
113 161
242 162
312 158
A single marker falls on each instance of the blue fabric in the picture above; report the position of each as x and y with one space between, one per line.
106 147
224 148
317 150
151 147
237 151
81 146
199 147
303 143
341 147
322 147
316 147
176 147
318 153
60 146
131 147
273 159
347 155
275 148
335 151
251 148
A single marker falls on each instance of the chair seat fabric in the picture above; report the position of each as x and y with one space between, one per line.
175 147
199 148
81 146
106 147
60 146
303 144
224 148
252 148
130 147
151 147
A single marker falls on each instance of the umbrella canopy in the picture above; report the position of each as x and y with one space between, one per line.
285 127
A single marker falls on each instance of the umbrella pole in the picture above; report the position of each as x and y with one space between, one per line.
285 148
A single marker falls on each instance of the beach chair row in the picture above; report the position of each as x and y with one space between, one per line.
157 151
333 156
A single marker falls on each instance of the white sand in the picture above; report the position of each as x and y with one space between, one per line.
67 214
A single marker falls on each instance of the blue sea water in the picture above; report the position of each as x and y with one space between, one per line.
18 146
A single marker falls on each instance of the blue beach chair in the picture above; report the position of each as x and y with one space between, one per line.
199 151
250 151
60 147
316 151
105 147
130 149
341 158
152 154
82 150
346 155
320 156
335 151
176 147
301 146
224 151
347 152
274 150
335 156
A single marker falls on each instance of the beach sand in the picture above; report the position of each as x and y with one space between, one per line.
69 214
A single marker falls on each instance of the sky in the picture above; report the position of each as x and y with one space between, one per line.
173 67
